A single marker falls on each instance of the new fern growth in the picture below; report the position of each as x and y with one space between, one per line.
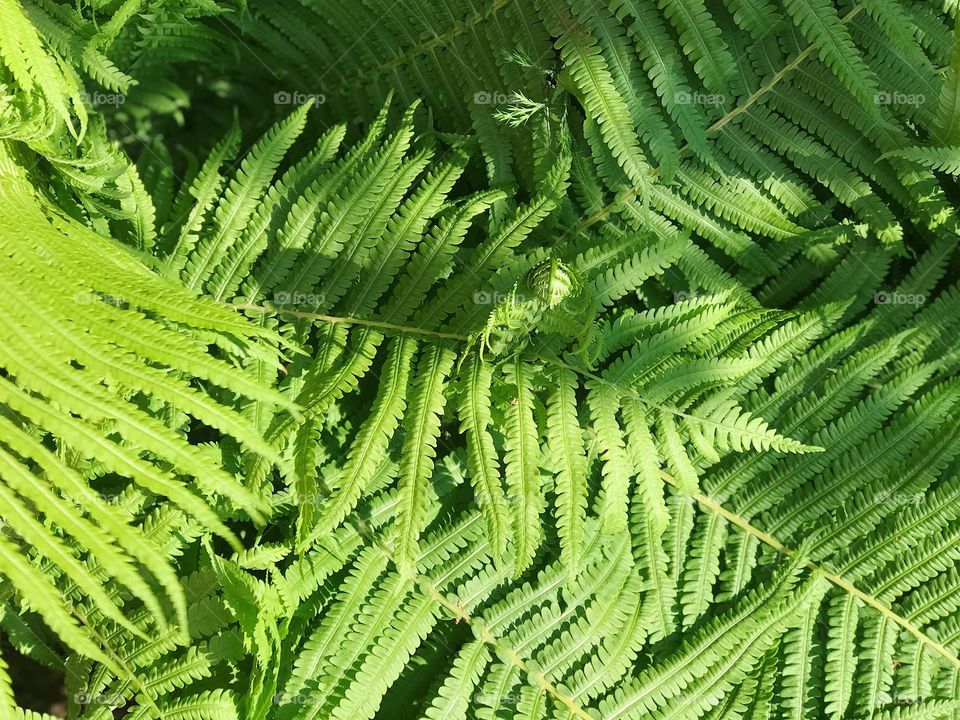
541 359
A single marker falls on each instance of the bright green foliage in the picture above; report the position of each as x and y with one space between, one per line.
523 359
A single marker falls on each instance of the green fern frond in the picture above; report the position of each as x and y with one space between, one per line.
610 373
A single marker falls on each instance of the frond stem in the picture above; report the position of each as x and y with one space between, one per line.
834 578
770 540
630 192
120 664
434 42
775 80
344 320
483 633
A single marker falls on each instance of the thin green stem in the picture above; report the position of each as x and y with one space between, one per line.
841 582
344 320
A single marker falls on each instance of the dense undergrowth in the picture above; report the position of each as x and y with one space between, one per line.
520 359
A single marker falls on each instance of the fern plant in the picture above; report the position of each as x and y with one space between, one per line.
550 359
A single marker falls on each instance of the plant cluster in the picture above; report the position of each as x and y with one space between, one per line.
442 360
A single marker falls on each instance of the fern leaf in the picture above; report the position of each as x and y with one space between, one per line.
232 213
522 465
566 446
482 460
617 469
421 431
947 127
370 447
941 159
821 25
592 77
702 40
